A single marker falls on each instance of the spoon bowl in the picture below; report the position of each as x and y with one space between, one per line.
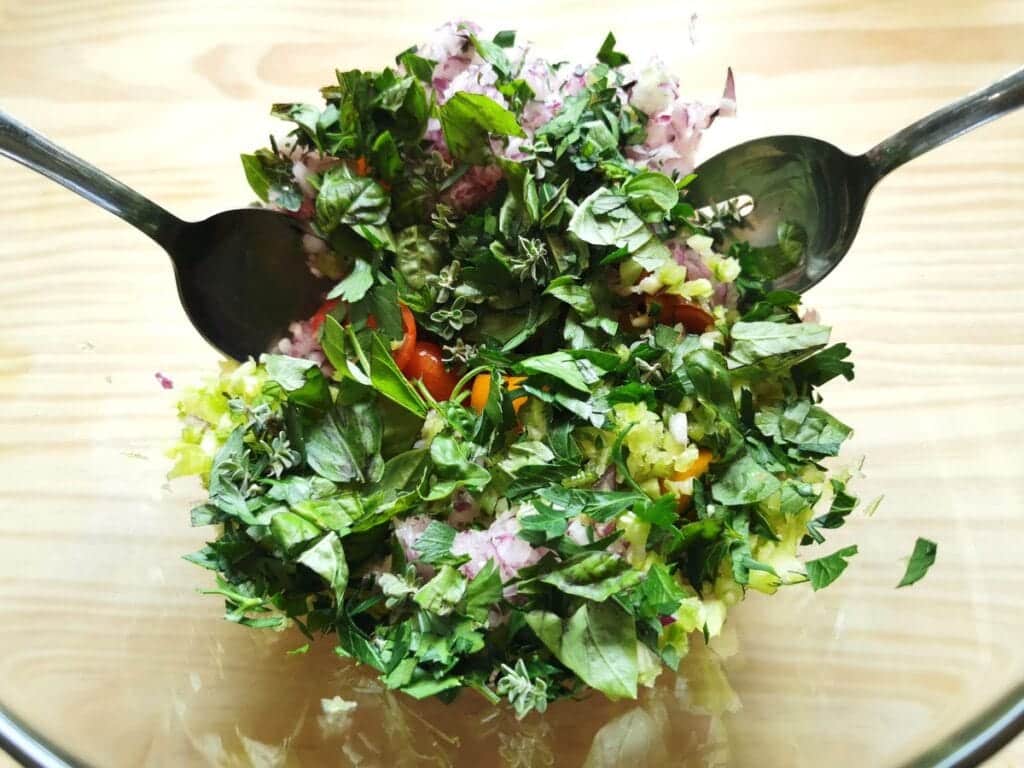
809 195
242 274
242 278
793 180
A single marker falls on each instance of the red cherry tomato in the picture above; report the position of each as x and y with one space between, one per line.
326 308
426 364
678 310
404 354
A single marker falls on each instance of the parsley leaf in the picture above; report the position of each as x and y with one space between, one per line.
435 543
921 559
608 55
825 570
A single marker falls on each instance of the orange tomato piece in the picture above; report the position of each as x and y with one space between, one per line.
698 468
482 390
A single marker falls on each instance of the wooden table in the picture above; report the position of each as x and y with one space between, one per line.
164 94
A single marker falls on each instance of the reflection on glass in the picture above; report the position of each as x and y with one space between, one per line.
250 704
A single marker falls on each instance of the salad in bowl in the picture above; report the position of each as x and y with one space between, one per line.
543 433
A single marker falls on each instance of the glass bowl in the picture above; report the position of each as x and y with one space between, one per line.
111 658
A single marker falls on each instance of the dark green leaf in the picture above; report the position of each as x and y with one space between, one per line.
506 38
390 381
483 592
598 643
469 119
348 199
824 366
825 570
921 559
608 55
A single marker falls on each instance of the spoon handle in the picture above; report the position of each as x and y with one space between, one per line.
953 120
33 150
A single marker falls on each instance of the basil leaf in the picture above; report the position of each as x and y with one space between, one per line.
302 380
483 592
824 366
558 365
825 570
390 381
326 558
469 119
493 54
419 67
344 444
745 482
348 199
443 592
805 426
384 157
651 193
921 559
453 470
290 530
595 576
659 593
506 38
598 643
755 341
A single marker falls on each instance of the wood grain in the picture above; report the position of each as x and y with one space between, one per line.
105 646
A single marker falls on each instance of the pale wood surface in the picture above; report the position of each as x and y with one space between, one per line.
104 644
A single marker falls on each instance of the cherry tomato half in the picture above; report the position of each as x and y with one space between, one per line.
404 353
678 310
326 308
426 364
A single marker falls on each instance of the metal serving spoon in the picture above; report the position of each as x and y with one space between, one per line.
813 184
241 274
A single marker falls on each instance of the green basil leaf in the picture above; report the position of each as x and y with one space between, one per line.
558 365
348 199
483 592
441 594
326 558
752 342
469 119
745 482
390 381
595 576
435 543
598 643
